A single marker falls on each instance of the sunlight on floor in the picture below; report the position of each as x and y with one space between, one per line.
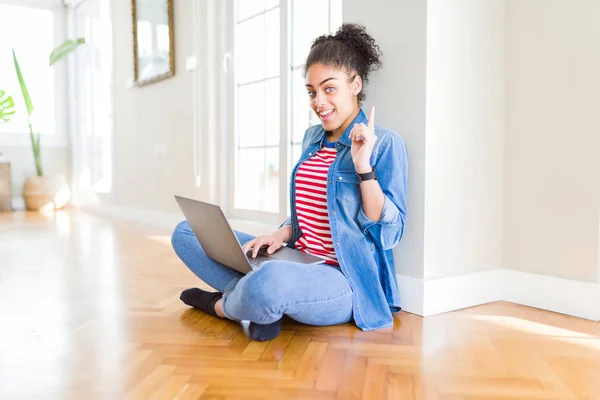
161 239
531 327
566 336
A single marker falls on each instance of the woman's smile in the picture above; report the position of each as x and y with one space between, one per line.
326 115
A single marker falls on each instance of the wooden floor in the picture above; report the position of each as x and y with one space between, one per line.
89 309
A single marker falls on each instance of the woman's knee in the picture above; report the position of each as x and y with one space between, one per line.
267 286
180 234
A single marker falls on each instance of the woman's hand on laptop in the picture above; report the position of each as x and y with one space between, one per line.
274 241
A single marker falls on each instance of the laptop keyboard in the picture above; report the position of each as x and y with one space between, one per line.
260 258
255 262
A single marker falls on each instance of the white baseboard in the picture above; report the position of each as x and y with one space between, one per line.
412 292
436 296
456 292
565 296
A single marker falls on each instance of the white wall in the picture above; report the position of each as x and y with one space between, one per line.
153 125
398 93
552 169
464 136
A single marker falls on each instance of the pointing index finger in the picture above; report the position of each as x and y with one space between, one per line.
371 121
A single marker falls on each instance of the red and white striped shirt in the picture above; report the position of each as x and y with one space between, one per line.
311 205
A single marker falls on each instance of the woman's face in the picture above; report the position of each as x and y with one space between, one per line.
332 93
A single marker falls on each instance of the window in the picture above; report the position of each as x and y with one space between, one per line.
33 47
271 110
306 26
258 123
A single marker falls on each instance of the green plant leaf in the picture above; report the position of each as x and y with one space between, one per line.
7 107
24 90
64 49
35 138
37 156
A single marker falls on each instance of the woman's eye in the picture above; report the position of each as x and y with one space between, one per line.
311 93
329 89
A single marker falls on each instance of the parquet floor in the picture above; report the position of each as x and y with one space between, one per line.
89 310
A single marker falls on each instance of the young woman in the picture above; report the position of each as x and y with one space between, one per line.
348 206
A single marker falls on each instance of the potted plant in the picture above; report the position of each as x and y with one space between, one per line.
43 191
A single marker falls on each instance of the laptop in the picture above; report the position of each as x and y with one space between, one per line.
220 243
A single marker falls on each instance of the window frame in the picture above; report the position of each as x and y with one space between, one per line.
232 93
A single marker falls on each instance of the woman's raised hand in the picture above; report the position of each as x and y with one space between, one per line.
363 140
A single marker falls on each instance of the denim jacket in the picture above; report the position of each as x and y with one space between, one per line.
363 247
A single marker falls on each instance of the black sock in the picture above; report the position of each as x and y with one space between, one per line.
260 333
201 299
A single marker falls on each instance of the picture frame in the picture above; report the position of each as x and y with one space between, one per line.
153 41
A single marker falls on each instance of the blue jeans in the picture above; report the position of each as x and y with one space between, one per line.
311 294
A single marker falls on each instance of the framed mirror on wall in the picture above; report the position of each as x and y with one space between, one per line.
152 23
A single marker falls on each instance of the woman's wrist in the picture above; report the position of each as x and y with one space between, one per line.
285 233
363 169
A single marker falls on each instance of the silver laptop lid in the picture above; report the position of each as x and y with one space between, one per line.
214 233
